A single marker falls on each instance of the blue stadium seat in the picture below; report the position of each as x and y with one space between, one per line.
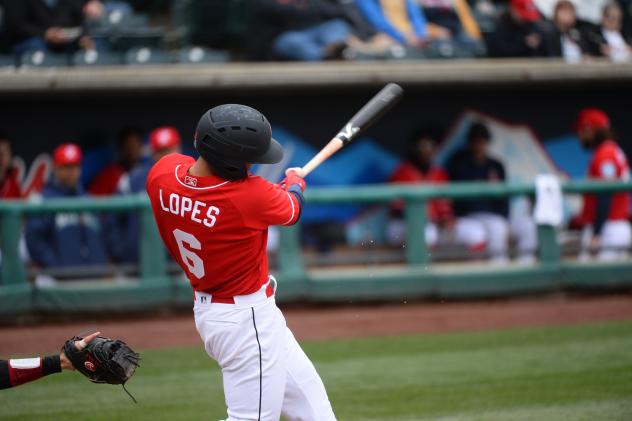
201 55
41 58
95 58
146 55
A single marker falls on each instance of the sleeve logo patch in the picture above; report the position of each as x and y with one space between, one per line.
89 366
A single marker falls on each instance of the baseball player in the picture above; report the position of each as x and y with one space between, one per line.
213 217
604 215
19 371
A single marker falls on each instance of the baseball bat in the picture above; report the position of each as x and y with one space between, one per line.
372 111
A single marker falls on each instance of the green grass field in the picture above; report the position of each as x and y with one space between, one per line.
562 373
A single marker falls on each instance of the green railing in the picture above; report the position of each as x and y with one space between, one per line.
416 278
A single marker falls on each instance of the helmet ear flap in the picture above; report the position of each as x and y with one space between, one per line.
228 169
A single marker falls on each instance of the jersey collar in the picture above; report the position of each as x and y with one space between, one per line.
197 183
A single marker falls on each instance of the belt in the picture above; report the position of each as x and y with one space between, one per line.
269 292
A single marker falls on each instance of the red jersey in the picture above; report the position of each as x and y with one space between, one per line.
10 185
217 230
608 163
106 182
439 209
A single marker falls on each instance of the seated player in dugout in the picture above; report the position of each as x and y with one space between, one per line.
213 217
15 372
604 218
483 216
419 168
48 236
123 231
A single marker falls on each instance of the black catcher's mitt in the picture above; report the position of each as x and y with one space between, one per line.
103 360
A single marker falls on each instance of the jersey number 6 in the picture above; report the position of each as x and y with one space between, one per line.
189 258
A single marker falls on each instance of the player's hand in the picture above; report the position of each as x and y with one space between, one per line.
293 176
65 362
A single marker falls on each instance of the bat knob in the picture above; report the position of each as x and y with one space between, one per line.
298 170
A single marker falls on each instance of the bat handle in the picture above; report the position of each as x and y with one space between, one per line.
331 148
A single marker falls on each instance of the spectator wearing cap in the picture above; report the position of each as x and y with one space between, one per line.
9 180
519 32
473 163
565 39
609 39
604 217
66 238
123 229
130 147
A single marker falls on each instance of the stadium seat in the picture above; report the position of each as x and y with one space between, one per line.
449 49
201 55
95 58
146 55
41 58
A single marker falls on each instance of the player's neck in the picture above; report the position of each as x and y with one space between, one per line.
201 169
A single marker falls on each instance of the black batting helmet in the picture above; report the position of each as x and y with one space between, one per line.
231 135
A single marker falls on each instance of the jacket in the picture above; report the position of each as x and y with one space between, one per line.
65 238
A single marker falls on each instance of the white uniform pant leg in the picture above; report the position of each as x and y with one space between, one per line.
470 232
497 229
249 345
615 240
396 233
525 232
305 396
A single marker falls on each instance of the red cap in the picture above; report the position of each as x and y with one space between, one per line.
164 137
526 9
67 154
591 118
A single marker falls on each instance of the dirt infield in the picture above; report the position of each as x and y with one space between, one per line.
341 322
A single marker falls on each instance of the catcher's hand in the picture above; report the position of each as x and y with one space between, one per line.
102 360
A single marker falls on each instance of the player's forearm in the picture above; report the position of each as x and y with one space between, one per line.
19 371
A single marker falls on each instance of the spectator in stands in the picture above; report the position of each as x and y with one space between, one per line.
604 217
4 29
565 39
455 16
474 164
518 33
123 229
65 239
402 20
608 39
9 182
304 30
130 148
50 25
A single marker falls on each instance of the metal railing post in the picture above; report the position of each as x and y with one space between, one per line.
289 259
549 250
416 217
152 253
12 270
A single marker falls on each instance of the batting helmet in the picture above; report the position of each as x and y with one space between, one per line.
229 136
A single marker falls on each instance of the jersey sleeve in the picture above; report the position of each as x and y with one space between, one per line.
268 204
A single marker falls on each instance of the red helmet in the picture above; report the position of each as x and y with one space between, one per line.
67 154
593 118
164 137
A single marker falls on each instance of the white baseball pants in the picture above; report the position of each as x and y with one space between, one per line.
265 371
615 240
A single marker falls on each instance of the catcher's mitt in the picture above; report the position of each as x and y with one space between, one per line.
103 360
